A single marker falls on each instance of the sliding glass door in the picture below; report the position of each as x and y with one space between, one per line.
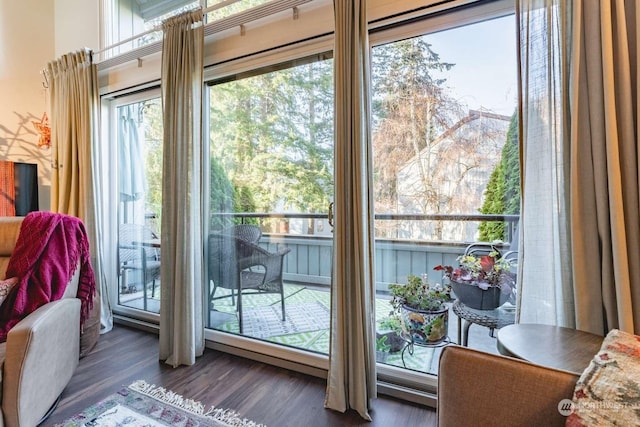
137 126
445 174
270 185
446 167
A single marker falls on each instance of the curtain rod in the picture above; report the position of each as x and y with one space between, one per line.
242 17
159 26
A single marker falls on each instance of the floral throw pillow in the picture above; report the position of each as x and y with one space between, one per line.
608 391
6 286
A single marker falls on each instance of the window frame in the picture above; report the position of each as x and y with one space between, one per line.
110 106
125 88
424 386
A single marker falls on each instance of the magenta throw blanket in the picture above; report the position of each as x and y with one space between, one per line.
49 248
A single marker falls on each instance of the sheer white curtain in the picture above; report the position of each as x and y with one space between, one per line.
546 293
181 319
581 234
77 173
352 374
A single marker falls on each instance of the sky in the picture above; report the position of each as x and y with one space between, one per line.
485 74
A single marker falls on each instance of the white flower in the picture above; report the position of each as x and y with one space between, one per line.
483 285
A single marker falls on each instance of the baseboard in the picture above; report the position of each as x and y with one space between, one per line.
269 360
410 395
135 323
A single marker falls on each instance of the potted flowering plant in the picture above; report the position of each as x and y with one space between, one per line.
481 282
423 314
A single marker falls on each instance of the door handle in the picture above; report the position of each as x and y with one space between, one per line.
330 215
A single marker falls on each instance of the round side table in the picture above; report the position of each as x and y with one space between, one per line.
492 319
553 346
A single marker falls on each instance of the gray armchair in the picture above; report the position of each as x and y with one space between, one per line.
245 268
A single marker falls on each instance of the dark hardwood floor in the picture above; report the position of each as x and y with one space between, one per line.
263 393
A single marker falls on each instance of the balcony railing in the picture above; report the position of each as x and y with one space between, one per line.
310 239
308 266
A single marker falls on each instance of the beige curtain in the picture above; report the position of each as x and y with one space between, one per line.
76 171
604 165
579 267
352 375
181 319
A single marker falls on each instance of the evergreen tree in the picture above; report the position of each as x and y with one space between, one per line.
410 108
243 202
427 148
502 195
511 166
221 196
273 134
494 203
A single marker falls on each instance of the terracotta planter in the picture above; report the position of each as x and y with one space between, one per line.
425 327
474 297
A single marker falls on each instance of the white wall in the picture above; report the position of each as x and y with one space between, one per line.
77 25
26 45
32 33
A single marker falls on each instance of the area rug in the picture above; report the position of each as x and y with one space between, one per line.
142 404
266 321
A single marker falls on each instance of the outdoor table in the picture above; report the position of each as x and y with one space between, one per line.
492 319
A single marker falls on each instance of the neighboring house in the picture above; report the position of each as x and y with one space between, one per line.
450 176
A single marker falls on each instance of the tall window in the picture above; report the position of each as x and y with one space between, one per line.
126 19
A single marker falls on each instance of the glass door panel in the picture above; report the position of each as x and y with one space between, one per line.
270 184
139 142
446 168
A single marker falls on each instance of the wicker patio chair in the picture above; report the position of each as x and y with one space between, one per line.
482 248
245 267
135 256
247 232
